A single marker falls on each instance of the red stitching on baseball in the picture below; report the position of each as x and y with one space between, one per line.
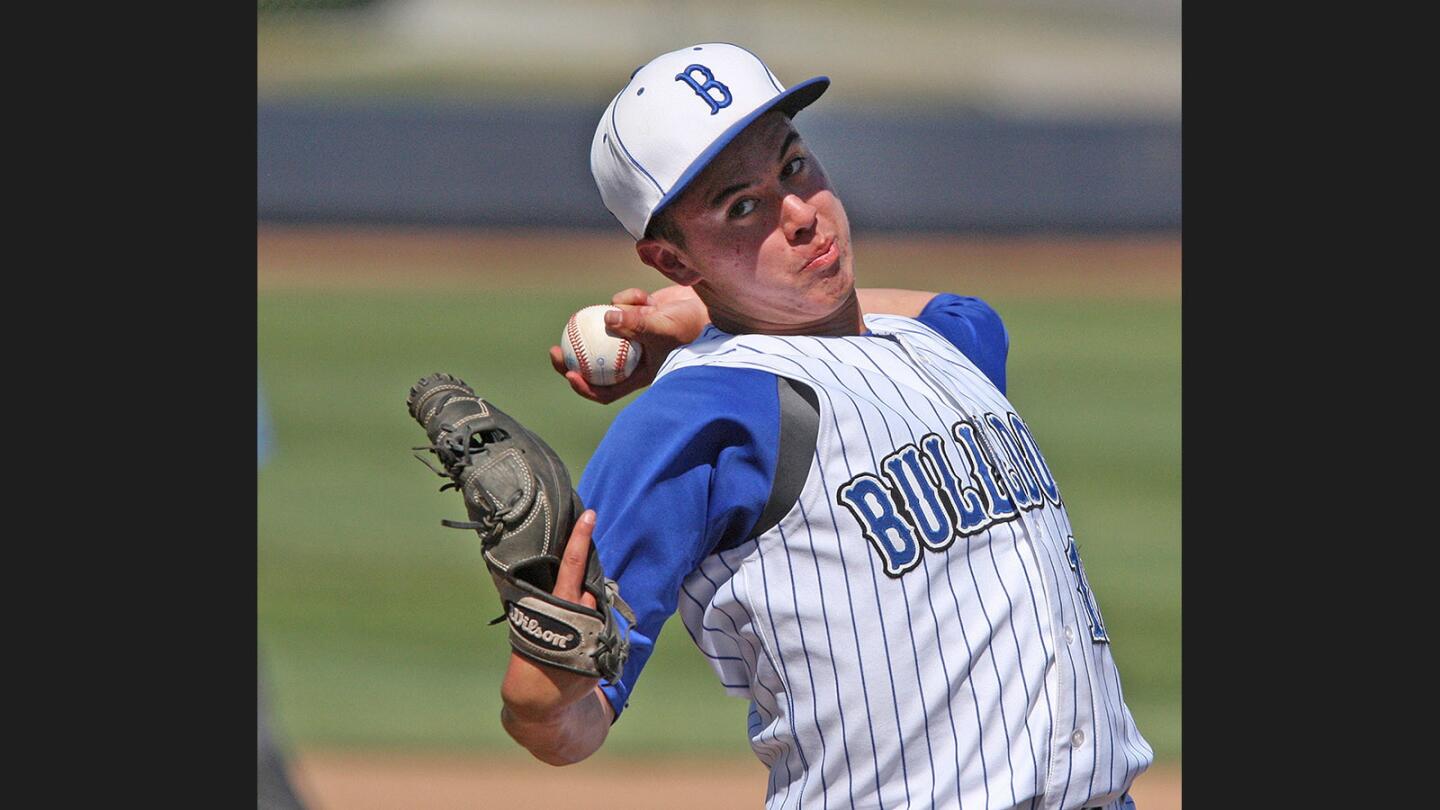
620 356
572 331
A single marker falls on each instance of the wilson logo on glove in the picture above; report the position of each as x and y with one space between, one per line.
543 630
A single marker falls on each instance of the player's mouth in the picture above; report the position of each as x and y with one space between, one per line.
824 259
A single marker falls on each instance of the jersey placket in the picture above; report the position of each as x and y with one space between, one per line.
1064 683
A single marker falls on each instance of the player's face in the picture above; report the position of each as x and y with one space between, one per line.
765 235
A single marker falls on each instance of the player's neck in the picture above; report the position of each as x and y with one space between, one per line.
849 319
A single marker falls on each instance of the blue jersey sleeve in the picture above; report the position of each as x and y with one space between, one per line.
684 469
976 330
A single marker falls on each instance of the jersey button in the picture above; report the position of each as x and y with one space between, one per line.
1078 738
1069 634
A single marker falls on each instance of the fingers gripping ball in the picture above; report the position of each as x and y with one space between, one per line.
600 357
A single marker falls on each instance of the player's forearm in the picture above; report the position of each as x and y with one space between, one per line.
884 301
559 717
564 737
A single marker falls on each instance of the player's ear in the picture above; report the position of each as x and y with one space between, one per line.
663 256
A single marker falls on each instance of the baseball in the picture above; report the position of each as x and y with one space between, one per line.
600 357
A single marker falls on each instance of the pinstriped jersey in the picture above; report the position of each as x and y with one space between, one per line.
918 630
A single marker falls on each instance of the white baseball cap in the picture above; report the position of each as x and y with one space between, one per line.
674 117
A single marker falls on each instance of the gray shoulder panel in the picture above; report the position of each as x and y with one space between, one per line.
799 428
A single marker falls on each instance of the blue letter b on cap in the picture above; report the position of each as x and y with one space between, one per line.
703 90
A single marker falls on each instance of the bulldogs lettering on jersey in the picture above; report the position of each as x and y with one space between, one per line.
918 630
934 507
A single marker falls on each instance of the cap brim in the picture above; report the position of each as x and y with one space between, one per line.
790 102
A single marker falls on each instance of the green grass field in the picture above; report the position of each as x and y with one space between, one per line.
372 617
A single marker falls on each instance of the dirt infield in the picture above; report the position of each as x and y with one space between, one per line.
397 257
369 781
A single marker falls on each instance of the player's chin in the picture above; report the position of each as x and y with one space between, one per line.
834 293
838 280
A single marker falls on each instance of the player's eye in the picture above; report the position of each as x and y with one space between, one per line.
793 167
742 207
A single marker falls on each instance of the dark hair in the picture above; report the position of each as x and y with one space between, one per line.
663 226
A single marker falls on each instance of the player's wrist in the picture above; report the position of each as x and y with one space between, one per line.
533 713
530 713
674 292
535 693
560 735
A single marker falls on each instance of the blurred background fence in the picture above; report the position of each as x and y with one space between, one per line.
508 163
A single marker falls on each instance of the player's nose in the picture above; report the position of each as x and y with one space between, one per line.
798 218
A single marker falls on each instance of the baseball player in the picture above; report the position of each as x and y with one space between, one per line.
858 529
